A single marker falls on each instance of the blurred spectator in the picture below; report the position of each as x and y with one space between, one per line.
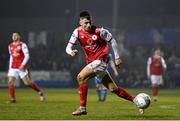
173 72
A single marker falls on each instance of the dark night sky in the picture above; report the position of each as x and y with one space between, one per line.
58 8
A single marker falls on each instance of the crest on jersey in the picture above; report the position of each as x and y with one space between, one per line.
82 37
94 37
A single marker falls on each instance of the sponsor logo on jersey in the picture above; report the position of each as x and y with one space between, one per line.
73 37
108 37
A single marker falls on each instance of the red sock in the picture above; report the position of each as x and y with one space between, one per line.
124 94
35 87
83 90
154 91
12 91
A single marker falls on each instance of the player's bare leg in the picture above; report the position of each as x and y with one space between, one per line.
109 83
27 81
85 74
11 89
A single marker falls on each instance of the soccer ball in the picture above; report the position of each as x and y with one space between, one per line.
142 100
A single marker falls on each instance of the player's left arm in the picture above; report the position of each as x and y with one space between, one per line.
26 56
163 63
112 64
148 67
106 35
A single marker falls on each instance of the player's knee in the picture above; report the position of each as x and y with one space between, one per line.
27 82
10 82
80 78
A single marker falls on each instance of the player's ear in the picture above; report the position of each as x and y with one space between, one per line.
80 22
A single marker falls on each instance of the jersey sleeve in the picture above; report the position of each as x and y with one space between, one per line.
163 63
105 34
74 37
9 49
25 48
115 48
148 66
72 41
26 54
10 58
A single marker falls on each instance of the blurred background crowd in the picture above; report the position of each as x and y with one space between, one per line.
138 26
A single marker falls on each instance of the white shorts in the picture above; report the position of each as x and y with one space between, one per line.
17 73
157 79
99 67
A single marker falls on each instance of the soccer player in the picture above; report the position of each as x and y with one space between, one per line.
19 57
94 42
100 88
155 67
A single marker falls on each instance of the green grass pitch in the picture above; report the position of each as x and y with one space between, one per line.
60 103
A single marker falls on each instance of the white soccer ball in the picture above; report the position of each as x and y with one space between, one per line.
142 100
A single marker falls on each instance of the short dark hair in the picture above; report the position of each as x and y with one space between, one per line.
85 14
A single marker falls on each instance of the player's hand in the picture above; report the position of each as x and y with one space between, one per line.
21 67
74 52
118 62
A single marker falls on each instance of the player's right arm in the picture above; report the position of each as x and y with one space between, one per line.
148 67
72 41
10 58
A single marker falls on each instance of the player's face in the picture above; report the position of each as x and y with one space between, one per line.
86 24
157 52
15 37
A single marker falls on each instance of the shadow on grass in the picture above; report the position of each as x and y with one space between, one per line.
154 117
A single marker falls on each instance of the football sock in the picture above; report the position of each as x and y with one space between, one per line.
154 91
105 93
12 91
124 94
35 87
83 90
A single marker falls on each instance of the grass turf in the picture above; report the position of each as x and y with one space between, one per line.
60 103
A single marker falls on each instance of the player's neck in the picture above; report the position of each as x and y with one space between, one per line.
156 56
16 42
87 31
